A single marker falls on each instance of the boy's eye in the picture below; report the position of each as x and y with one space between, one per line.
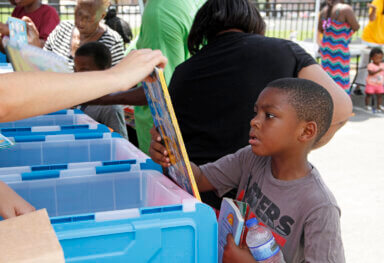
269 116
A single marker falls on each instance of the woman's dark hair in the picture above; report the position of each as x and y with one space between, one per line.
98 51
374 51
119 25
219 15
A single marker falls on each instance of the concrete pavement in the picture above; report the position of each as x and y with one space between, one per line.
352 165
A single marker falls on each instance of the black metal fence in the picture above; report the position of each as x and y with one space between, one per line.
295 20
290 20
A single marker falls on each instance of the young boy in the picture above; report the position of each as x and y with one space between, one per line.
96 56
44 17
285 192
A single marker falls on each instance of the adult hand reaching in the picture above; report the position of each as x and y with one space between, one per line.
11 204
137 66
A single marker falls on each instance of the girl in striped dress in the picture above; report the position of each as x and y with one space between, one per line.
337 23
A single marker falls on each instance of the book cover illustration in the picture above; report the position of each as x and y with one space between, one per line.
31 58
165 121
232 218
25 57
17 31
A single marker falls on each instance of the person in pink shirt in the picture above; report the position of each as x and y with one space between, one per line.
375 79
44 17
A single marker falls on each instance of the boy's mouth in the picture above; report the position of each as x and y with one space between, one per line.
253 140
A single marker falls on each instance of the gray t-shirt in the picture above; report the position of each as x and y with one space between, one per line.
302 214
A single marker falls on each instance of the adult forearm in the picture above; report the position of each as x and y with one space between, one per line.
24 95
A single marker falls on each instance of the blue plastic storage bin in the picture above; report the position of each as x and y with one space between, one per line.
52 130
19 173
168 234
63 117
4 66
68 148
105 188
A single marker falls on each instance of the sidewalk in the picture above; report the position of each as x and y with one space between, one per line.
352 165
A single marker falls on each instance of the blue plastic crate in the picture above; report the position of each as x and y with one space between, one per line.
68 148
169 234
52 130
4 66
87 190
19 173
63 117
3 58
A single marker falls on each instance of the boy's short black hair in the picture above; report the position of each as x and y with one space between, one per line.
98 51
374 51
311 101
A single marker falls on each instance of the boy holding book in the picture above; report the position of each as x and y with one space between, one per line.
284 191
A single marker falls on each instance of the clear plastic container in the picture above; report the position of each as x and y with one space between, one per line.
262 244
69 148
65 117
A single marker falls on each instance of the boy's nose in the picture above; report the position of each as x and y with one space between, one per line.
255 122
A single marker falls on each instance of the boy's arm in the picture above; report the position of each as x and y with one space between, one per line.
201 180
322 236
134 96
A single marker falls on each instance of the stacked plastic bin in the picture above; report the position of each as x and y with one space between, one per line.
107 201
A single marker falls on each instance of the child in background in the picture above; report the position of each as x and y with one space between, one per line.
96 56
375 79
43 17
285 192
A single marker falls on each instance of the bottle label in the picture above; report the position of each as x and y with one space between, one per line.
265 251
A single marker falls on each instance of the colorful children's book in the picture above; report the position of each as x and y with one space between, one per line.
17 31
165 121
232 218
31 58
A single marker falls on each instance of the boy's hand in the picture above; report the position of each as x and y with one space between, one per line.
11 204
235 254
157 150
32 32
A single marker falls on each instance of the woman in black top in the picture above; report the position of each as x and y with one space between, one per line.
213 92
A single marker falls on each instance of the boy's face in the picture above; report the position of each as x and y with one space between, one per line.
275 127
84 63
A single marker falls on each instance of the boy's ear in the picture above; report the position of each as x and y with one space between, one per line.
308 132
